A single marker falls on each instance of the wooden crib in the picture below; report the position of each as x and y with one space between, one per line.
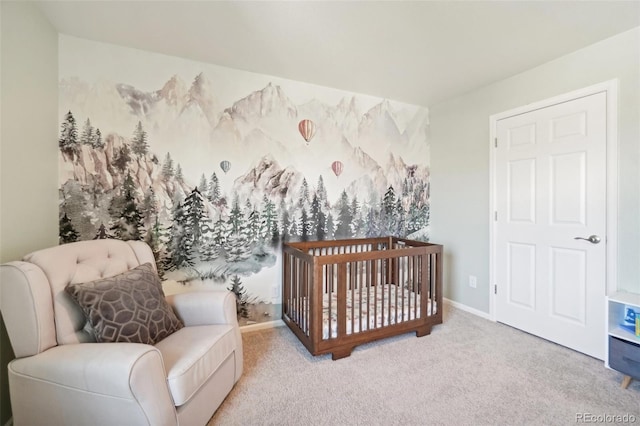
343 293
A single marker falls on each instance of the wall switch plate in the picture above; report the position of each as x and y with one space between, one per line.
274 292
473 281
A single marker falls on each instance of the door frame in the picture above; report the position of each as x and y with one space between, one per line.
610 87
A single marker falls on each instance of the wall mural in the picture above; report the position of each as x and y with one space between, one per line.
214 168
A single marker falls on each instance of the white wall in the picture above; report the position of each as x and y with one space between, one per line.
28 144
460 159
28 153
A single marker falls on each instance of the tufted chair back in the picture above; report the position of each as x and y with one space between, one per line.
41 314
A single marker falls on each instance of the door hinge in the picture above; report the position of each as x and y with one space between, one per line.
495 289
495 142
495 215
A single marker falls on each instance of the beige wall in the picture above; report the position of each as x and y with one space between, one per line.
28 154
460 159
28 144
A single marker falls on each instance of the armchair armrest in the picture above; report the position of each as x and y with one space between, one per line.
108 383
205 307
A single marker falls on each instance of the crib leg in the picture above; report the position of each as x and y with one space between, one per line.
341 353
423 331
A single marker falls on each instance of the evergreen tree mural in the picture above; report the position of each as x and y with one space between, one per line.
357 224
237 245
304 227
102 233
400 219
196 220
126 218
303 200
97 140
318 218
253 223
88 135
167 168
67 233
209 249
389 208
139 144
235 218
178 174
149 208
321 193
241 297
220 233
202 186
345 217
331 227
68 142
285 222
213 191
180 245
122 157
155 238
268 219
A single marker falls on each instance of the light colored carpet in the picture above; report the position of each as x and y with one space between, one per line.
469 371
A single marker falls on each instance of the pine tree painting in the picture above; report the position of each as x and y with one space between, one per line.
67 233
216 177
241 296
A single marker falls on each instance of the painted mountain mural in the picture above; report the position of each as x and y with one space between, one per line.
215 189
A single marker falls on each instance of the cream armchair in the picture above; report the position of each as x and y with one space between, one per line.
62 377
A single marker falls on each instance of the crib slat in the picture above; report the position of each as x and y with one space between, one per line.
367 278
401 287
353 290
342 299
286 283
424 282
416 286
316 300
328 292
359 279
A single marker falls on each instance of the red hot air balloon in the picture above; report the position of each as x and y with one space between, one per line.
337 166
225 166
307 129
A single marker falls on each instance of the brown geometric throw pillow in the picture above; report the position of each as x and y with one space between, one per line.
129 307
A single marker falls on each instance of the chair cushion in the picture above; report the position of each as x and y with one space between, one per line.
192 355
129 307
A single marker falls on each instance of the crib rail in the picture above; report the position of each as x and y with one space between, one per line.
338 294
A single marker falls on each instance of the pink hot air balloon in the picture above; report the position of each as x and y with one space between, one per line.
337 166
307 129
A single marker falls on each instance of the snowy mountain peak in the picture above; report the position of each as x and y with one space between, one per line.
347 106
201 97
268 178
269 101
173 91
140 102
380 110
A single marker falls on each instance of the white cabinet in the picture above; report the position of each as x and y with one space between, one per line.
623 345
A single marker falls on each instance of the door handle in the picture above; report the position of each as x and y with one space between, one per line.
593 239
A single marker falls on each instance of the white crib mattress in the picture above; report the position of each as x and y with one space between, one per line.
381 310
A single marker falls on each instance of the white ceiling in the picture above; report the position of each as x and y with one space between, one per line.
419 52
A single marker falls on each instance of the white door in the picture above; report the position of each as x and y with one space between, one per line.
550 177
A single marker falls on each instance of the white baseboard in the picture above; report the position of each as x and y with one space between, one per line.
261 326
466 308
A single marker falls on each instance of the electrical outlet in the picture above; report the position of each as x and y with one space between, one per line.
473 281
